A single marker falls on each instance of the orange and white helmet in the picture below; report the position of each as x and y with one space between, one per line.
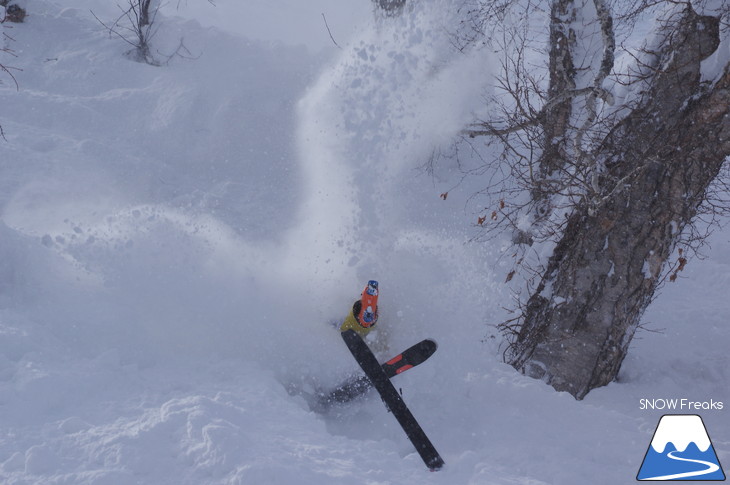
367 313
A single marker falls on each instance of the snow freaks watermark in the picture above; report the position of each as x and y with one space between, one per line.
687 405
680 450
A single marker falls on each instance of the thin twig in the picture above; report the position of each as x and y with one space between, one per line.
330 32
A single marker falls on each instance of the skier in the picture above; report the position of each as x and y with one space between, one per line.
364 313
358 324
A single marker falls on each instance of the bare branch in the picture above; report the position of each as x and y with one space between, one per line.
330 32
181 51
7 70
136 26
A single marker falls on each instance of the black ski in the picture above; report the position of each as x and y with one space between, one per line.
392 399
411 357
359 385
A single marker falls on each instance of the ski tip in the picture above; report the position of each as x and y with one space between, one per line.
434 467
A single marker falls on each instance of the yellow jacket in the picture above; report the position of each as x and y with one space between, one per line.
351 323
379 345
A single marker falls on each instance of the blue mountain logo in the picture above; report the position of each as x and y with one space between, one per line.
681 450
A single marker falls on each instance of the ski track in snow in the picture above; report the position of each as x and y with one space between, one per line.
174 241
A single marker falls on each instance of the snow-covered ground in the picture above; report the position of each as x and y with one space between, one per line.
175 241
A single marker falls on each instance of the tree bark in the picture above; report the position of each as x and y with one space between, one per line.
557 117
144 12
562 80
659 161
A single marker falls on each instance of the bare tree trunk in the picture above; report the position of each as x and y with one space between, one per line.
144 12
557 117
659 162
555 120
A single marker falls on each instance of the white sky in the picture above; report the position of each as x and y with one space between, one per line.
289 21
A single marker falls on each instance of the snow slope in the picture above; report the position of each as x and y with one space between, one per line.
175 241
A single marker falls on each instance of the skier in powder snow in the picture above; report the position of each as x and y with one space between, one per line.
364 314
